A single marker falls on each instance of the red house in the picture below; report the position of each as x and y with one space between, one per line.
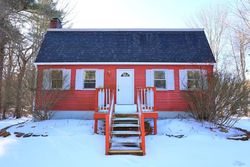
123 76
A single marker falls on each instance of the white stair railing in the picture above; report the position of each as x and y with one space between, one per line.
141 122
147 98
108 125
103 99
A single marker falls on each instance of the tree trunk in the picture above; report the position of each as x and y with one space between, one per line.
8 93
4 114
33 88
1 71
19 91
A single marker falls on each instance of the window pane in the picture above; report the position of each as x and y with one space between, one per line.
56 74
160 84
193 84
56 84
90 75
125 74
194 74
159 74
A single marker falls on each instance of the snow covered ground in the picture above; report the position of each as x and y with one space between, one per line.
72 143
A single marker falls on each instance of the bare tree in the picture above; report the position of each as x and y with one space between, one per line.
33 17
214 20
239 44
29 48
22 60
240 36
8 32
243 12
9 79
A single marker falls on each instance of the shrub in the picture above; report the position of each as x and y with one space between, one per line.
47 98
222 102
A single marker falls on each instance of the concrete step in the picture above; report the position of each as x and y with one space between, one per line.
126 132
125 108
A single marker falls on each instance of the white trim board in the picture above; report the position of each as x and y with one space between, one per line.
118 63
126 29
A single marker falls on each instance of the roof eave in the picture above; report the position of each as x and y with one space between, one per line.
122 63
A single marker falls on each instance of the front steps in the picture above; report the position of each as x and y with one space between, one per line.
125 134
121 119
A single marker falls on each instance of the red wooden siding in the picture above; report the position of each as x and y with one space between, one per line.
85 99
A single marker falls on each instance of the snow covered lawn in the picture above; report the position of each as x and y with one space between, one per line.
72 143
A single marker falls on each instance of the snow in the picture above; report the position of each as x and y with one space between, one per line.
73 143
8 122
244 123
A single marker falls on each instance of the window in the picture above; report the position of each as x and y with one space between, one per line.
125 74
160 79
90 79
194 80
56 79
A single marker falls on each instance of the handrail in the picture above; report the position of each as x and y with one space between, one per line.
141 121
108 119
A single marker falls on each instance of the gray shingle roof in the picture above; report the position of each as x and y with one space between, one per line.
125 46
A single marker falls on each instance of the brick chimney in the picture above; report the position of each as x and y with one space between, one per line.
55 23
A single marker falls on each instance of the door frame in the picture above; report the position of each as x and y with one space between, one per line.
133 82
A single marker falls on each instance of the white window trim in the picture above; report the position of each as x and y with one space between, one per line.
169 77
192 70
50 73
88 69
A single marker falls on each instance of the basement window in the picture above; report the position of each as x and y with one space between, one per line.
90 79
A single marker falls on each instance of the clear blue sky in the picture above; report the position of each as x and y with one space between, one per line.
135 13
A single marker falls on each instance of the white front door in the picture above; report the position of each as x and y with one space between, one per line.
125 86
